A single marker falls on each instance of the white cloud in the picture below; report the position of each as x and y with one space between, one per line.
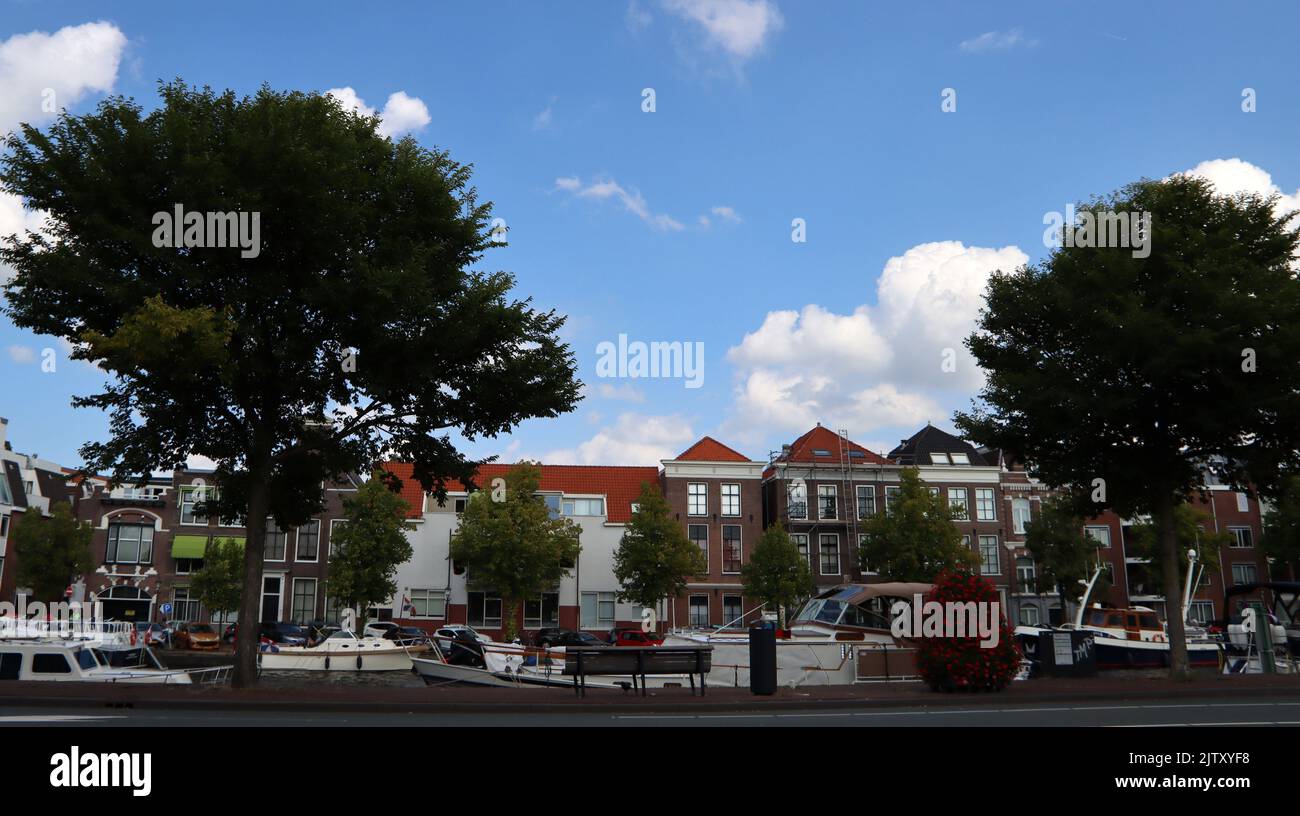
631 199
637 18
1236 176
740 27
71 63
633 439
14 220
401 113
545 119
22 354
879 366
626 392
996 41
725 214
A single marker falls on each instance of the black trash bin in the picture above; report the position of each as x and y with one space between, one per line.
762 658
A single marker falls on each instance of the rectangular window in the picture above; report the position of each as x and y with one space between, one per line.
1019 515
1029 615
184 607
732 611
866 501
4 526
188 566
335 526
731 500
989 563
697 499
598 609
1201 612
130 544
543 611
699 610
985 507
584 507
797 499
275 541
732 553
891 495
1099 534
428 603
309 541
862 541
800 541
304 600
191 497
828 546
957 503
484 610
1026 576
1244 573
1243 503
699 534
1241 537
827 503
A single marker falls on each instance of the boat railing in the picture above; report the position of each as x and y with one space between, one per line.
13 628
213 676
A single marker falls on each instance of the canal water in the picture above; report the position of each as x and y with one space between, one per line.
352 679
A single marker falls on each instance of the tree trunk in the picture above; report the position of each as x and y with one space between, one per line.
1169 555
247 636
512 629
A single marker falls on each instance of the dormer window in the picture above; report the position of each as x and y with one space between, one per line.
960 459
940 459
821 452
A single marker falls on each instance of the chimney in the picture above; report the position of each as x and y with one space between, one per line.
4 433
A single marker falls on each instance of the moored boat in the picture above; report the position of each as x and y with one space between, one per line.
341 651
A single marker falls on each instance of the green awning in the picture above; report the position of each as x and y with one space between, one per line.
189 546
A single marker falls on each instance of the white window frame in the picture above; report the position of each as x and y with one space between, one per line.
740 544
796 496
697 499
825 491
1021 514
1091 531
730 492
796 539
297 543
284 555
429 597
986 504
1252 566
866 496
1236 531
1243 503
691 606
963 503
293 598
984 553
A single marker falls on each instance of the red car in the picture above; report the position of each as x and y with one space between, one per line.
634 637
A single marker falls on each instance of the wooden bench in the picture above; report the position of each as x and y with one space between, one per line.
637 662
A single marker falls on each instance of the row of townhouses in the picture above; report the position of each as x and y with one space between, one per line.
149 541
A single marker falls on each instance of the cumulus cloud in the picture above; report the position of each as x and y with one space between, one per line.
14 220
996 41
740 28
42 73
633 439
401 114
626 392
727 215
21 354
545 118
879 366
631 199
1237 176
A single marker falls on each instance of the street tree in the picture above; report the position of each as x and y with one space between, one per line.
1281 541
1130 372
777 574
655 559
273 286
1064 554
915 538
50 552
219 583
367 548
1144 541
511 543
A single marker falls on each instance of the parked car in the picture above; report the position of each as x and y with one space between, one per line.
152 633
634 637
376 628
566 637
407 634
197 636
285 634
452 632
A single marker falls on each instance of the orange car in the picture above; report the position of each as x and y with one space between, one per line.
199 636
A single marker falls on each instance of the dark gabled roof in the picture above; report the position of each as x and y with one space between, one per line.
917 450
54 486
14 476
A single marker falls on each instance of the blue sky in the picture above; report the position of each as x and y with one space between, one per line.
765 111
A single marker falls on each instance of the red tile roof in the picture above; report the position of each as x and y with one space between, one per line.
801 450
621 485
709 449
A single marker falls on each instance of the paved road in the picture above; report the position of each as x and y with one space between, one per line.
1207 712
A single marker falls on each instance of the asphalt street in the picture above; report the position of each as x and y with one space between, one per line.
1207 712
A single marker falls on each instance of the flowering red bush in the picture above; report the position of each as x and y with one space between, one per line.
959 663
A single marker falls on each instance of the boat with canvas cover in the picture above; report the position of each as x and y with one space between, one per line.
341 651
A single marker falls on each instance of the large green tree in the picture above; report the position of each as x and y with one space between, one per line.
777 574
655 559
219 583
1128 377
914 539
510 542
50 552
1064 554
367 549
1144 541
1281 541
358 330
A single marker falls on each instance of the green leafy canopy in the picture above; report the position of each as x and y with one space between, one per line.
914 539
655 559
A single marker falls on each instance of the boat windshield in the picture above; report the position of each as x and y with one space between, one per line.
827 610
86 659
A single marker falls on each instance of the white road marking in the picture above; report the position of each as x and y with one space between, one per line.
26 718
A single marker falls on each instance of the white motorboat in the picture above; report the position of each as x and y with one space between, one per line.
76 660
513 665
841 637
341 651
